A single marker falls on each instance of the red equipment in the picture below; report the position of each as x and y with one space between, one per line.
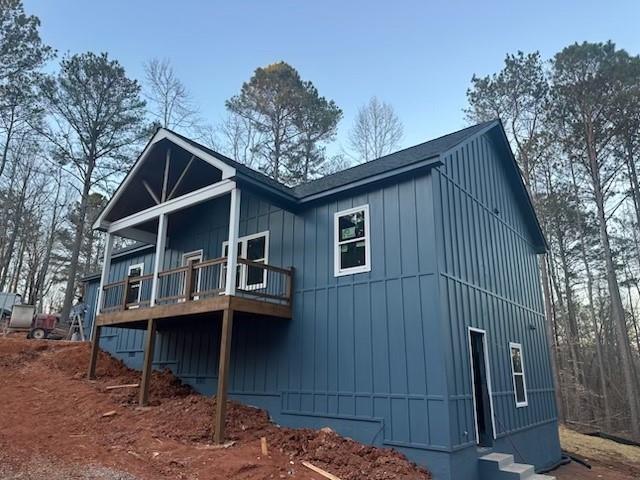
42 325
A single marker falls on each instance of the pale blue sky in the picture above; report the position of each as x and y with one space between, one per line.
417 55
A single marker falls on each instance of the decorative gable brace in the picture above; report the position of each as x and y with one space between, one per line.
167 189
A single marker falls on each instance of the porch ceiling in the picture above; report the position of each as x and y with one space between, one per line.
135 196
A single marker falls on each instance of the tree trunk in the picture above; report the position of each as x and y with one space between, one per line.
15 277
592 312
572 330
617 309
34 295
553 354
77 245
8 253
5 149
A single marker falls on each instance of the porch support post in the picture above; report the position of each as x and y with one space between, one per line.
149 345
158 262
95 347
106 266
232 249
223 372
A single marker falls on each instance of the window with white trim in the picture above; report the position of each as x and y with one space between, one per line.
352 249
517 369
255 248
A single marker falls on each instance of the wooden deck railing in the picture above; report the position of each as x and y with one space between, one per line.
197 281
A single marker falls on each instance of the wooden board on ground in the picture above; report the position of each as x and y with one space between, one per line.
320 471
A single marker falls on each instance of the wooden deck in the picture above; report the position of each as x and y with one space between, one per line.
194 290
138 317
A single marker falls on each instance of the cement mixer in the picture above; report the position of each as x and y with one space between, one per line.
42 326
24 319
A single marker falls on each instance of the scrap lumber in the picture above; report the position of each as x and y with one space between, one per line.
319 471
110 413
263 446
128 385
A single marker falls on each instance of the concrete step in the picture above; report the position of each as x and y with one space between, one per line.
519 470
500 466
501 459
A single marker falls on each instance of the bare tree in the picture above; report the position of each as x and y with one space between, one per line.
241 140
96 114
377 130
168 99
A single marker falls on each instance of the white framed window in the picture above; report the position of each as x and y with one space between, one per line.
196 280
517 369
352 245
134 289
255 248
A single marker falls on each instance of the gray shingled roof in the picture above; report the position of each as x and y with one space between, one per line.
388 163
357 173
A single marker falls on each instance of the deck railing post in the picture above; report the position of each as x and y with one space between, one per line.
232 248
289 292
124 293
158 262
188 282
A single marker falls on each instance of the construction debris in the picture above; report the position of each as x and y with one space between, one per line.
325 474
263 446
110 413
128 385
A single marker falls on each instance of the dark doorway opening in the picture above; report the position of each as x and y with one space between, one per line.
481 388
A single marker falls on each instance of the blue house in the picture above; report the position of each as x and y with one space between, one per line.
397 302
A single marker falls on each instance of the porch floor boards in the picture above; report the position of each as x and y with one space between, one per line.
137 318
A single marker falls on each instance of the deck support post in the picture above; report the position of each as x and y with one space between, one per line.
95 347
95 329
223 372
147 366
158 262
232 248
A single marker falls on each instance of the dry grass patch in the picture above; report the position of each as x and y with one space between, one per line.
600 449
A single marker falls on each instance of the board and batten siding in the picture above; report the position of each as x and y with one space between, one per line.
363 352
489 280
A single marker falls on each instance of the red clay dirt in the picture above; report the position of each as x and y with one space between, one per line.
52 427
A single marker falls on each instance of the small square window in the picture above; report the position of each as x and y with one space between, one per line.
352 245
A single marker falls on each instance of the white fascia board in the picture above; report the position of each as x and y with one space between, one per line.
227 170
173 205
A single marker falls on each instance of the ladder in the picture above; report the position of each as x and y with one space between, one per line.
76 325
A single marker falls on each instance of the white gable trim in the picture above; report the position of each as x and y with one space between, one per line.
227 170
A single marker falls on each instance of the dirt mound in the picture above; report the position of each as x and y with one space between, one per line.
170 439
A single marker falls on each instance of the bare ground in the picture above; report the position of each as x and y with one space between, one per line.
609 460
52 427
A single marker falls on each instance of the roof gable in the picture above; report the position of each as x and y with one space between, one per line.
495 134
144 184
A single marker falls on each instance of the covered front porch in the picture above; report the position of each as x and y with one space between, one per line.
173 186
